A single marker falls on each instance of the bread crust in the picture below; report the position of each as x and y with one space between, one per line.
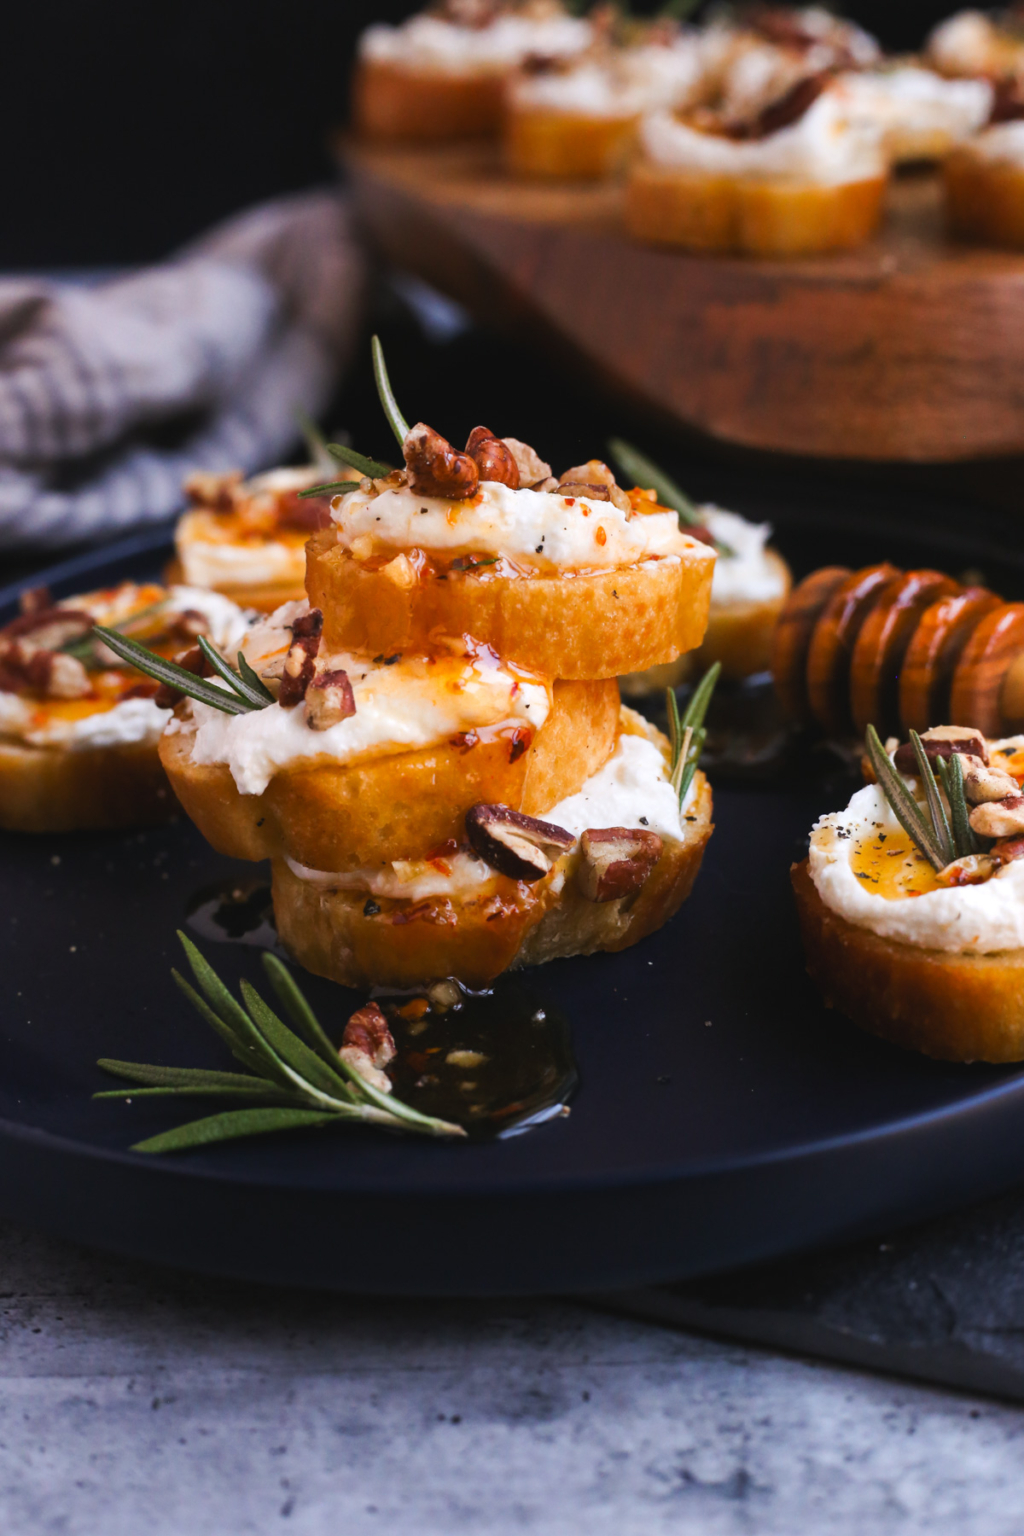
428 106
340 935
951 1006
739 635
753 218
984 201
344 817
568 146
95 789
593 626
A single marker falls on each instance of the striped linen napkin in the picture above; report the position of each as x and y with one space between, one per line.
112 392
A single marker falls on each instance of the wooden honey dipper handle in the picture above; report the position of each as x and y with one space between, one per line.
899 650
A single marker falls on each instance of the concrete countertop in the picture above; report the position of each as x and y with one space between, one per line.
136 1400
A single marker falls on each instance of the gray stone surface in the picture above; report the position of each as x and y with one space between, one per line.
135 1400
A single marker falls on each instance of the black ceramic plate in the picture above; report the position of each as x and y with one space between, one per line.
723 1115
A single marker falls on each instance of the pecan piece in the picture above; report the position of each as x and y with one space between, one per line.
50 674
194 661
999 818
595 481
942 741
435 468
1008 849
189 624
515 845
532 469
368 1045
300 662
49 628
34 600
329 700
493 459
983 782
616 861
214 491
972 869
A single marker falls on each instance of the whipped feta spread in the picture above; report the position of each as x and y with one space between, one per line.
624 84
415 702
433 44
965 919
132 721
747 573
573 533
631 790
968 43
828 145
1002 144
907 102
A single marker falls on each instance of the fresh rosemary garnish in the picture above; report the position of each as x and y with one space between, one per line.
247 692
951 772
331 489
295 1073
643 471
396 421
84 649
937 842
687 734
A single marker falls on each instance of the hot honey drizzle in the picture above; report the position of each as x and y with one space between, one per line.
888 863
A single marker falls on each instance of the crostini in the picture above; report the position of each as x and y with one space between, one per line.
911 900
78 728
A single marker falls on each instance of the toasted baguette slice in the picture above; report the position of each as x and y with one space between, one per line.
956 1007
984 200
702 212
571 146
425 106
343 817
54 789
593 626
357 942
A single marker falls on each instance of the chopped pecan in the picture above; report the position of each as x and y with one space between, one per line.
189 624
515 845
214 491
493 459
435 468
367 1046
785 110
1007 100
532 469
616 861
972 869
699 532
999 818
942 741
595 481
1007 849
51 674
983 782
49 628
34 599
300 662
329 700
193 660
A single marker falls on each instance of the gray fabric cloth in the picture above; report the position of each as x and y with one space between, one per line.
111 394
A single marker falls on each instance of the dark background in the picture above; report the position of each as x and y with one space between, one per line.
130 127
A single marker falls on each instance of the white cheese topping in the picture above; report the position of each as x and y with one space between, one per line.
211 557
908 101
827 145
631 790
978 919
747 574
416 702
623 84
431 43
1002 144
574 533
968 44
133 721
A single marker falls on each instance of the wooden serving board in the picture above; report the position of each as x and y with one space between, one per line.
911 348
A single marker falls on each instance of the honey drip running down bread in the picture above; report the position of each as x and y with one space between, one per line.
899 650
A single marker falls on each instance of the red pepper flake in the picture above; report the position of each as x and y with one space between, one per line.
601 536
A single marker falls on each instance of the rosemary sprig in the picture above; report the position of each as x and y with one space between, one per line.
936 809
396 421
84 649
316 445
687 734
331 489
904 807
301 1082
374 468
238 699
951 772
643 471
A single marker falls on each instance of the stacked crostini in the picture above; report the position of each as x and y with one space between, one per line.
911 900
78 727
442 74
431 747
